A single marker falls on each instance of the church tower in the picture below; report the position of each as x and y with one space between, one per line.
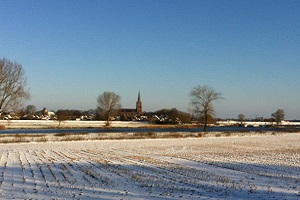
139 105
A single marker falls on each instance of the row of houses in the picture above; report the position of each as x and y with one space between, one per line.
40 115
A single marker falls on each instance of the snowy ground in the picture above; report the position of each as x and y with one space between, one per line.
42 124
257 167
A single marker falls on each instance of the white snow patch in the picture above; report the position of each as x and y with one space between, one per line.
211 168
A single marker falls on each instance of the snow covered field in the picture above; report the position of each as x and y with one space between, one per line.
42 124
256 167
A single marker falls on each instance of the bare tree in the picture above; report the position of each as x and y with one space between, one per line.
12 85
30 109
109 104
61 117
278 116
241 118
201 100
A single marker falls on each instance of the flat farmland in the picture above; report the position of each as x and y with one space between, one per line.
252 167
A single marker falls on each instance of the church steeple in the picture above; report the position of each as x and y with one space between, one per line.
139 105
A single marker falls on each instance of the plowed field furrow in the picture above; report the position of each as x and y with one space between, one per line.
158 174
220 168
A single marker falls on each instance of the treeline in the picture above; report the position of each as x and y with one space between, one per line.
67 114
168 116
163 116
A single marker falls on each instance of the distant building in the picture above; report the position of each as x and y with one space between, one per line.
139 105
132 113
45 114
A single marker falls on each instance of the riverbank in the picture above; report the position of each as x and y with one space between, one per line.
52 124
6 138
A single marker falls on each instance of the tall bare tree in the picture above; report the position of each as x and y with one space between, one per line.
108 104
201 100
12 85
278 116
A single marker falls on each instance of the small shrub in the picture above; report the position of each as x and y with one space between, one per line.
139 135
42 139
244 131
151 135
262 132
73 138
227 134
190 135
121 136
172 135
60 134
20 138
218 135
2 127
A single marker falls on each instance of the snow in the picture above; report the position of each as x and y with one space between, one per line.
42 124
256 167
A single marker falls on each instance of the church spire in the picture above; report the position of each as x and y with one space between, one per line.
139 104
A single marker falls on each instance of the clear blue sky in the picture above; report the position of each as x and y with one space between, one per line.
72 51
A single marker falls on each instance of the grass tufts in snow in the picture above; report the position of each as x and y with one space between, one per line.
25 138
